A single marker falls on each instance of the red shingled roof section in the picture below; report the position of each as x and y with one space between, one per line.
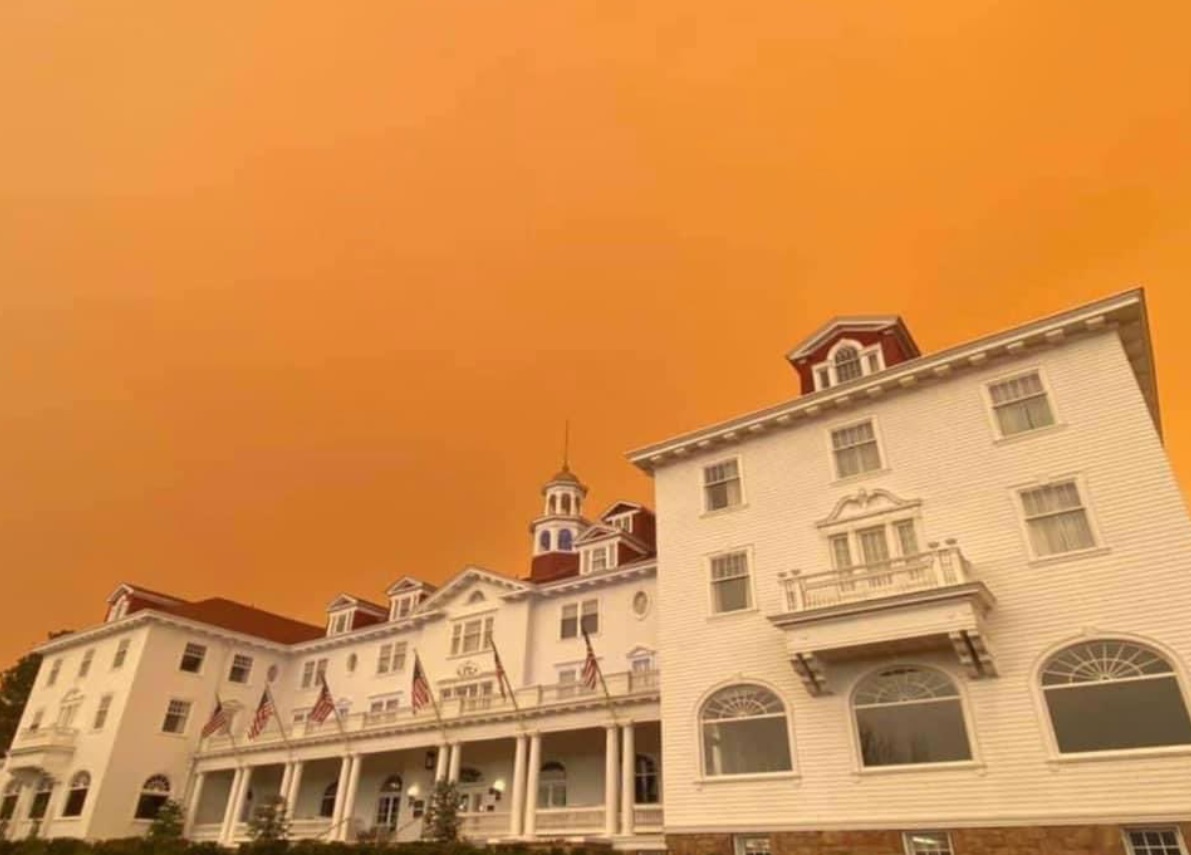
246 619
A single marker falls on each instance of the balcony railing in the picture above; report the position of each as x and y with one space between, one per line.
486 824
52 737
625 684
570 820
939 567
647 818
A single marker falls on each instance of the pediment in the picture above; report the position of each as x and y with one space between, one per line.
867 503
597 532
639 651
406 584
472 578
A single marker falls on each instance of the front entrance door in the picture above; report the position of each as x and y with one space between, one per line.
388 804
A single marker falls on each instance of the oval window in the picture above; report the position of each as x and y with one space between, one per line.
640 603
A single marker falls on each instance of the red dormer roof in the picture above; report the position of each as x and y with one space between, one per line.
888 331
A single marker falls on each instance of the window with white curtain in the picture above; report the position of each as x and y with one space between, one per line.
1056 519
1020 404
730 586
744 732
1131 689
721 485
908 715
855 449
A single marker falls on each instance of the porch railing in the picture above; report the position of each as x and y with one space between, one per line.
939 567
570 820
483 824
625 684
647 818
207 831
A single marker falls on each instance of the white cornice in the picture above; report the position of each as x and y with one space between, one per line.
143 616
1114 312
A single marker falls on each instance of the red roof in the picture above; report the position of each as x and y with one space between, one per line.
245 619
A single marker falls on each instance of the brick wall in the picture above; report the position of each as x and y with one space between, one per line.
1029 840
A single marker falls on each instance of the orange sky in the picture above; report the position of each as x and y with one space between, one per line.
296 296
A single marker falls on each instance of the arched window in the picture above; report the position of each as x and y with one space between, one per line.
155 792
645 776
326 807
910 715
847 364
553 505
552 785
744 732
76 796
566 540
566 504
544 541
41 797
392 784
8 804
1113 694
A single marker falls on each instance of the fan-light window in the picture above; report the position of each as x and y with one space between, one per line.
744 732
1112 694
910 715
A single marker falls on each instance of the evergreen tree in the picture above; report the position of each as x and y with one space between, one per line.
442 815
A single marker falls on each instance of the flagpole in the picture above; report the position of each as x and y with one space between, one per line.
430 692
503 676
600 674
335 707
277 714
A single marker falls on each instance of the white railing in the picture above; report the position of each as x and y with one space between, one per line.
647 817
570 820
623 684
939 567
52 736
309 828
206 831
484 824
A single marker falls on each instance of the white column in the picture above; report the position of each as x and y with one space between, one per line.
241 797
610 782
531 784
456 760
517 808
628 767
349 801
345 771
295 786
229 812
440 763
196 793
286 771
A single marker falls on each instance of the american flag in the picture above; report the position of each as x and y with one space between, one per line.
324 706
264 711
591 668
501 677
419 694
218 720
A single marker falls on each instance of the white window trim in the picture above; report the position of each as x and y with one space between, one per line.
202 662
990 412
852 527
333 621
738 840
180 734
1153 826
701 469
1033 560
482 617
578 603
862 352
882 450
701 776
586 558
858 768
712 614
1042 710
909 848
648 604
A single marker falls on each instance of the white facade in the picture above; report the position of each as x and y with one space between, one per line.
812 632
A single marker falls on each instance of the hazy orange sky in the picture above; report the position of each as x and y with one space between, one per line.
298 295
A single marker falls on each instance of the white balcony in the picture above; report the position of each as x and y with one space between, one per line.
43 750
623 687
570 821
895 605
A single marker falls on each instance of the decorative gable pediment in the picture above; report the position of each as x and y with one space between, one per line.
471 579
596 532
342 602
867 503
407 584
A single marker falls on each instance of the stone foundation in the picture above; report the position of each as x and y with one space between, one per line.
1026 840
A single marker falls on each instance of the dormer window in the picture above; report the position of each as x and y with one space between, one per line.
624 523
848 361
339 623
403 606
595 560
119 609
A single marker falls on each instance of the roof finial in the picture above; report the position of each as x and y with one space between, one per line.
566 443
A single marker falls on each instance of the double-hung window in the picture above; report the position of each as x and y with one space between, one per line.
313 671
241 669
1020 404
176 715
52 677
730 586
85 665
391 657
471 636
1056 519
721 485
580 617
192 658
855 449
121 654
101 712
